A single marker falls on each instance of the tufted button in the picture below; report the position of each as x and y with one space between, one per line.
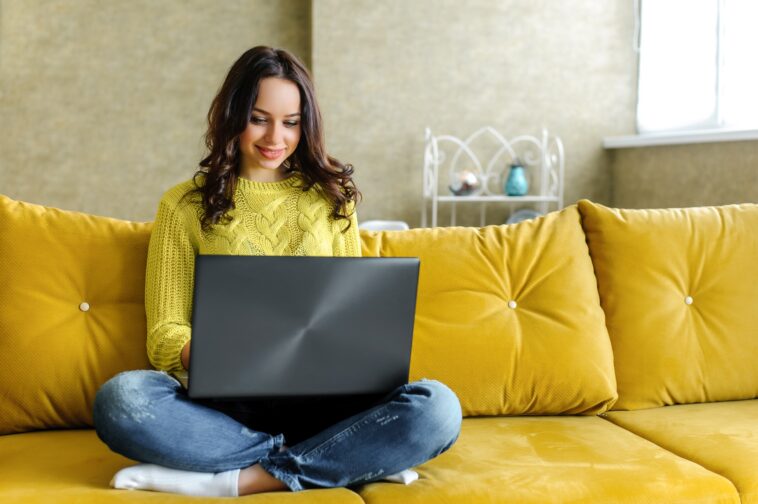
512 304
688 300
84 306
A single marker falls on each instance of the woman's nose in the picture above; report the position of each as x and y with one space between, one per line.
274 134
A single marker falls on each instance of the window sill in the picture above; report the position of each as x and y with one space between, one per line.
677 138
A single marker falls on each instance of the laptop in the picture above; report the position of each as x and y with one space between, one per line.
301 326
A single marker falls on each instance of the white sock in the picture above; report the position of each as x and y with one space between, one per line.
163 479
405 477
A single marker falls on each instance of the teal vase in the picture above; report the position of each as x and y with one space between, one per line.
516 185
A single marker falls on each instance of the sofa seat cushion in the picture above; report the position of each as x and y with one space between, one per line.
72 311
722 437
554 459
508 316
678 287
74 466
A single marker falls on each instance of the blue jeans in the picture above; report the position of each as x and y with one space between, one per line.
147 416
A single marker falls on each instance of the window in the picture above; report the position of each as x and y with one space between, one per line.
698 65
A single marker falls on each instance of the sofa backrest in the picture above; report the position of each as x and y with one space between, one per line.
508 316
680 291
71 311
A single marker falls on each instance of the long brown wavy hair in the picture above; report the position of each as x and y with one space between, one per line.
228 117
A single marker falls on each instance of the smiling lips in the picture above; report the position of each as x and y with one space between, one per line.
270 154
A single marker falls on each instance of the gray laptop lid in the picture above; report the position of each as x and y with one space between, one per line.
266 326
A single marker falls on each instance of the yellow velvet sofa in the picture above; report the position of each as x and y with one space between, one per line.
600 355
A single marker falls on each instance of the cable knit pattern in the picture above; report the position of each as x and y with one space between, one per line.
270 218
310 208
269 223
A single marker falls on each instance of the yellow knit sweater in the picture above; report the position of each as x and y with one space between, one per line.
270 218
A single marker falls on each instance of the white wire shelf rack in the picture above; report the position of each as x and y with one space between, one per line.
542 158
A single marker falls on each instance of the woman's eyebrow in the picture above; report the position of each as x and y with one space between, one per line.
264 112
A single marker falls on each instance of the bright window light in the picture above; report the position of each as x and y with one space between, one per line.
697 65
739 71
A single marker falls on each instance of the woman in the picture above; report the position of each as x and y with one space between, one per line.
267 187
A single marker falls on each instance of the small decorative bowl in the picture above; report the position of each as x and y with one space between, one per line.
466 183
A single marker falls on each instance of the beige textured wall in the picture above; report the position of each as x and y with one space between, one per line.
103 104
686 175
385 70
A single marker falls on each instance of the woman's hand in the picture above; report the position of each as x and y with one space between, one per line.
186 356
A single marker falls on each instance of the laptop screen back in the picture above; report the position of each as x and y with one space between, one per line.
273 326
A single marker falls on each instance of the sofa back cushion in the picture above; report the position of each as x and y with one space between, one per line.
55 351
508 316
679 288
546 353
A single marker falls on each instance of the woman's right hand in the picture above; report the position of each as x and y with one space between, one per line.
186 356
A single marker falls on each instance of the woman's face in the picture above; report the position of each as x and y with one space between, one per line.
273 132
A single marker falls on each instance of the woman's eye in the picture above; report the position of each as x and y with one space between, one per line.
262 120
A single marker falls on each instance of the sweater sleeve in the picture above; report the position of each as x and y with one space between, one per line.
168 289
355 236
348 243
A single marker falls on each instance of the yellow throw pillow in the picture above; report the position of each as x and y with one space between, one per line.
679 288
508 316
72 311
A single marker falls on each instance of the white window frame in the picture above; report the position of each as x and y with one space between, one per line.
712 129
